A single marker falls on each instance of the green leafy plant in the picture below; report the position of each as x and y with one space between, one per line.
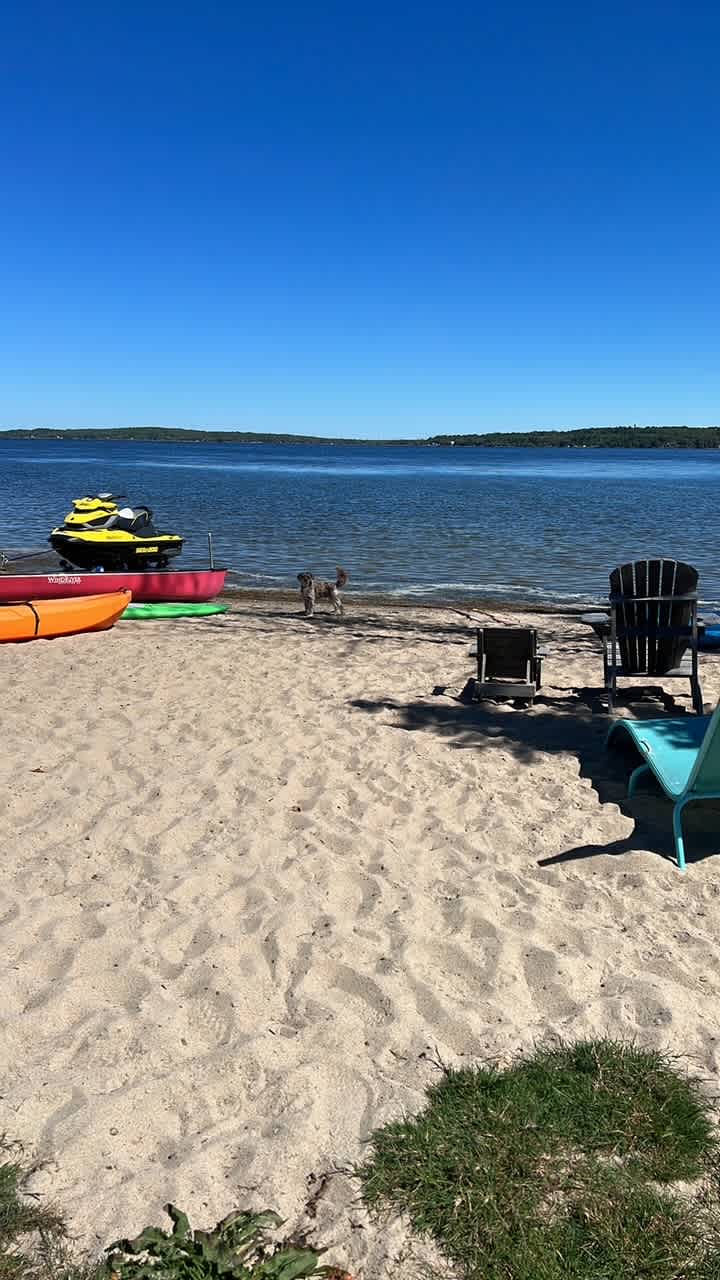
238 1248
34 1242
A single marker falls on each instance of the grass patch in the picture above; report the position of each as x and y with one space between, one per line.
559 1168
34 1241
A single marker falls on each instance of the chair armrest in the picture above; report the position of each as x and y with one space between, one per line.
600 623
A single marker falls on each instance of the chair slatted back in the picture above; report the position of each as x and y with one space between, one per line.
505 653
653 633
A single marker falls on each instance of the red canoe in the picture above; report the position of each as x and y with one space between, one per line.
169 584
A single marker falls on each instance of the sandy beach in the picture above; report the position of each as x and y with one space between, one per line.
260 880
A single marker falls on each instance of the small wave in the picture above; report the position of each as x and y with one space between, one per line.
258 577
526 592
35 459
300 468
426 590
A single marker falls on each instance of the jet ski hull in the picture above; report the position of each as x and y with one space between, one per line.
114 550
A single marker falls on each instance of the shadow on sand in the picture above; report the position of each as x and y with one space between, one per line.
574 723
355 628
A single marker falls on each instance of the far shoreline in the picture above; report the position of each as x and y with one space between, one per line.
656 438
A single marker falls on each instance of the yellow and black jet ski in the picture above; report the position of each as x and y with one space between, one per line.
98 534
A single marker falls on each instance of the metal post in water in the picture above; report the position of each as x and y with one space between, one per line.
210 551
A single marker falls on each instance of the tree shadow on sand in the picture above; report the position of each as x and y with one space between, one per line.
355 628
573 723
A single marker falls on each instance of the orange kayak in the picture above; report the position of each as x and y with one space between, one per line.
38 619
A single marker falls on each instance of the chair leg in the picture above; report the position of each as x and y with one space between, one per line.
697 698
635 775
678 834
610 684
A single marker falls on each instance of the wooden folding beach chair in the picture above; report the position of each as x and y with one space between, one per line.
684 755
653 625
509 663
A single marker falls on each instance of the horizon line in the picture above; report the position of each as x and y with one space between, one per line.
447 435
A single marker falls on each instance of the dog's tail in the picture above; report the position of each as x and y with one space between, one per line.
342 577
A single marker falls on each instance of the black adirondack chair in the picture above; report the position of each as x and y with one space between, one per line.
509 663
653 625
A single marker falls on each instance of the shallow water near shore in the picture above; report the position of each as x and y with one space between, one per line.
434 524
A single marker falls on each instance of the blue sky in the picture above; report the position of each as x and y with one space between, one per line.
371 220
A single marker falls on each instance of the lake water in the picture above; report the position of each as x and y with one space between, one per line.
514 524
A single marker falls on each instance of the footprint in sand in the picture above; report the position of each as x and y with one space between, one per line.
362 988
541 975
211 1014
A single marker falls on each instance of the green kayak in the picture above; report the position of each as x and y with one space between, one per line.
136 612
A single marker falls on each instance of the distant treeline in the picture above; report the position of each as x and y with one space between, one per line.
594 438
591 438
160 435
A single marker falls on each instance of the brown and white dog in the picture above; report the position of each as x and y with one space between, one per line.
312 589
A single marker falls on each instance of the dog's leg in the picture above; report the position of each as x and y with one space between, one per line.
310 601
338 603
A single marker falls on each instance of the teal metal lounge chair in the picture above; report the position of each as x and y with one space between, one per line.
684 754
